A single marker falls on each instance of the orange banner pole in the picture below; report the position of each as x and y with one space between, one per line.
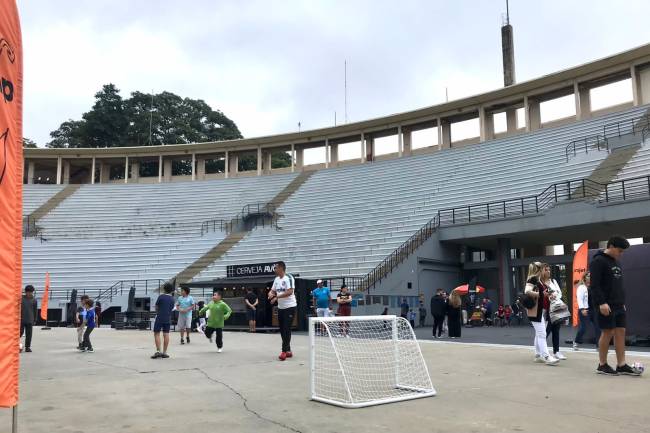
44 301
579 269
11 184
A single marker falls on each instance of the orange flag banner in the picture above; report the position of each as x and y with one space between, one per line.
580 259
46 293
11 184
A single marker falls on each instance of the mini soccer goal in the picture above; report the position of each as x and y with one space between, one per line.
366 360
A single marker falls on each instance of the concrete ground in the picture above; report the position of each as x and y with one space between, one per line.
244 389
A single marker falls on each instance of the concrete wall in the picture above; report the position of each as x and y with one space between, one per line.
432 265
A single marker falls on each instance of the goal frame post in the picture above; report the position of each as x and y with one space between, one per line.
417 391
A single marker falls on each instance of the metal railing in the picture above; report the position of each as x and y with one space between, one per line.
122 286
611 130
398 256
626 189
520 206
253 210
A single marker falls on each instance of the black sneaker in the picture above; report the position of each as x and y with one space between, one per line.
188 339
29 349
90 349
156 355
606 369
182 341
164 355
628 371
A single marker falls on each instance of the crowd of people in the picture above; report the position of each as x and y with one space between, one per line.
600 298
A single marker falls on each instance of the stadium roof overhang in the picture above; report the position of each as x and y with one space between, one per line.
593 73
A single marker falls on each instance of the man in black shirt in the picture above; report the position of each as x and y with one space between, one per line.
609 299
28 316
251 302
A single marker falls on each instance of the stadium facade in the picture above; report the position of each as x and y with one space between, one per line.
393 225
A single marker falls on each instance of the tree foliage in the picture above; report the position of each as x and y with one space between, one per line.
116 122
29 143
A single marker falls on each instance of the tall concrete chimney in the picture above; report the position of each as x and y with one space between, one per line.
508 51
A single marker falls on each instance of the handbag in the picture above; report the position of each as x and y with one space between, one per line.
558 311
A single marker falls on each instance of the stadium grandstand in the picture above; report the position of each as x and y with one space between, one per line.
391 225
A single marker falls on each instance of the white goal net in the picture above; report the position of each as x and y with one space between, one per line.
366 360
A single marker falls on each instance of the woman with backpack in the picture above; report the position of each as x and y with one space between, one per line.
534 299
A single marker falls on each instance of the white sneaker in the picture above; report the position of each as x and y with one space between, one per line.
218 350
551 360
538 358
575 346
559 356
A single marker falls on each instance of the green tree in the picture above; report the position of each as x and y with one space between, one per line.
29 144
280 160
115 122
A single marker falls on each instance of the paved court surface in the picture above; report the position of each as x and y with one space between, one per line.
244 389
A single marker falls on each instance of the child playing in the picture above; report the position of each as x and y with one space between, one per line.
164 307
201 327
80 320
219 312
86 345
185 306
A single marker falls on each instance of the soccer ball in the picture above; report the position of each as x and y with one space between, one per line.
639 366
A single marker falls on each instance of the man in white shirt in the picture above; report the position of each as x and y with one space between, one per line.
283 291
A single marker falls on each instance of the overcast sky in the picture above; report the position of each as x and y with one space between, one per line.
270 64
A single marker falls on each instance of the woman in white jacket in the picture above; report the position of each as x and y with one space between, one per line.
553 329
537 291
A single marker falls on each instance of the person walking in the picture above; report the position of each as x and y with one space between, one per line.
454 316
609 296
86 345
80 320
534 299
282 291
585 313
164 307
552 329
28 314
251 302
438 311
423 314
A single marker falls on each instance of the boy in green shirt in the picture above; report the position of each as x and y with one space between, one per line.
219 312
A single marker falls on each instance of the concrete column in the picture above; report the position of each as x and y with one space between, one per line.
505 274
439 129
636 88
104 172
445 131
200 168
126 169
92 172
226 165
533 118
400 142
406 139
363 148
583 104
160 168
486 124
193 166
643 85
31 168
293 157
511 120
300 159
66 172
327 153
370 148
259 160
334 155
167 170
135 171
268 161
59 169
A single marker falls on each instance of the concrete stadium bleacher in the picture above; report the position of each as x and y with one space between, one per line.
36 195
341 221
105 233
344 221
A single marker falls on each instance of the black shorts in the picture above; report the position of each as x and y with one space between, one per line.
616 319
251 314
164 327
